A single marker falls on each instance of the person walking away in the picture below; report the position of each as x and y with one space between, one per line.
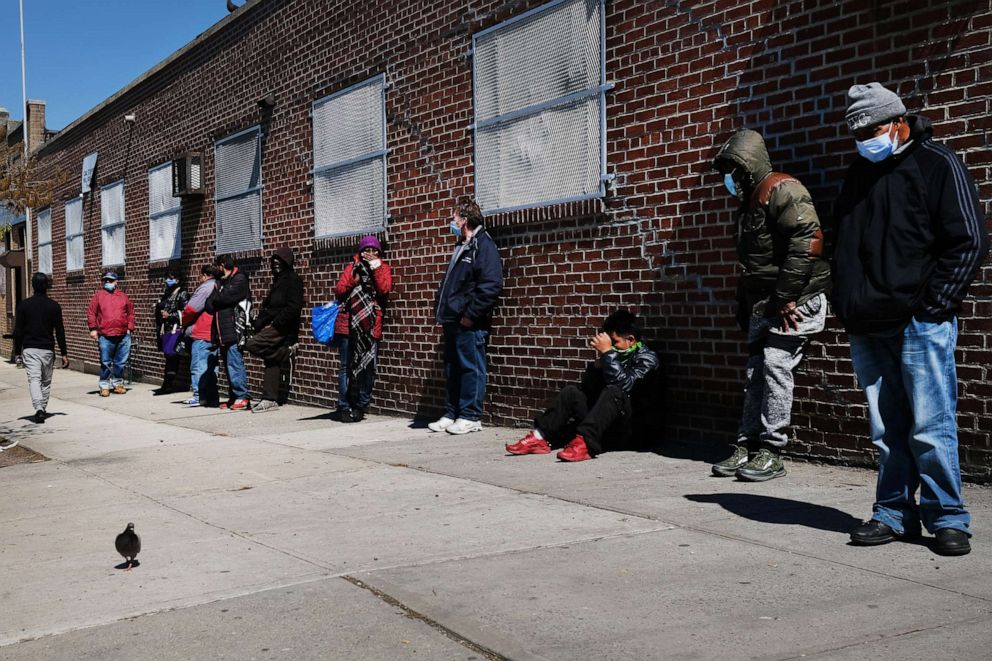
362 290
110 318
38 319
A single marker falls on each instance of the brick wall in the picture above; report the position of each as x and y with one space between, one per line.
686 75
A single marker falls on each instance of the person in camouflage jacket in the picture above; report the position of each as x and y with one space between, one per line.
781 297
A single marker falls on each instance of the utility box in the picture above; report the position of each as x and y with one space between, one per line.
187 174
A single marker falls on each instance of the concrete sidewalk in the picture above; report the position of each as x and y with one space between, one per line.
286 535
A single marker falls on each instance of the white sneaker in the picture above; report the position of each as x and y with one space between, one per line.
441 424
463 426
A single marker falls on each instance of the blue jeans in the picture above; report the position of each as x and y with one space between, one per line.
203 371
237 379
114 352
910 382
365 389
465 371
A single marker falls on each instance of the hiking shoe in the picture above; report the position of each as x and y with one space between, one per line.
264 405
104 392
441 423
39 417
240 405
765 465
876 533
576 450
119 389
192 402
463 426
951 541
530 444
729 466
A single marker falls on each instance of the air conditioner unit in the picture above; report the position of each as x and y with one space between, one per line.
187 174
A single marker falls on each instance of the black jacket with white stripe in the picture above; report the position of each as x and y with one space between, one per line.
910 236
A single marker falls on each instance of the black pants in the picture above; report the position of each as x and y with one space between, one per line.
605 426
171 371
272 347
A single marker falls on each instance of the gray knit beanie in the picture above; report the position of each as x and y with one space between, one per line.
871 104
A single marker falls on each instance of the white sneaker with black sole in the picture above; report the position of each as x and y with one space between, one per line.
463 426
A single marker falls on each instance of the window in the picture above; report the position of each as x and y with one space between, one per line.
540 87
164 215
349 156
112 223
238 191
74 235
45 241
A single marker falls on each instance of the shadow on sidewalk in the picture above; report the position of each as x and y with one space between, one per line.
768 509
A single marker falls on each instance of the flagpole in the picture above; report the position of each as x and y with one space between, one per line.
28 239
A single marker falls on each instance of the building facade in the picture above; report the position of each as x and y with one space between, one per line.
586 130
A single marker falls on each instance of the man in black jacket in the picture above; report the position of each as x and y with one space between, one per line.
38 317
465 301
277 326
910 239
227 304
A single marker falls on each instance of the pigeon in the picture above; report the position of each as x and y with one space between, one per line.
128 544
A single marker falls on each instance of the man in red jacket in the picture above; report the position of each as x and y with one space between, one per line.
110 318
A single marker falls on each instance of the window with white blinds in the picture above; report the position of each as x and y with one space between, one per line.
539 83
74 235
238 191
44 222
112 223
349 155
164 215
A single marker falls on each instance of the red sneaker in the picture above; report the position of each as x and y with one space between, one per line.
529 444
576 450
240 405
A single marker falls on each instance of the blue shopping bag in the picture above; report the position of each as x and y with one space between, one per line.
324 317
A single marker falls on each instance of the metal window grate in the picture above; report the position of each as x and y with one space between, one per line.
164 215
238 191
112 223
74 235
540 104
44 220
349 147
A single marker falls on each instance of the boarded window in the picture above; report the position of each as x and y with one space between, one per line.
540 85
74 235
112 223
238 191
349 154
45 241
164 215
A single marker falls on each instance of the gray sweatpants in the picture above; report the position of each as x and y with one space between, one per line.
774 356
39 364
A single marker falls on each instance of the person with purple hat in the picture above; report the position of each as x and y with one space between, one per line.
362 291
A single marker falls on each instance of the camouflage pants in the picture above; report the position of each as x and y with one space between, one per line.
773 357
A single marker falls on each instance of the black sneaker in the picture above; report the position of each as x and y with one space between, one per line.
357 414
765 465
876 533
39 417
951 541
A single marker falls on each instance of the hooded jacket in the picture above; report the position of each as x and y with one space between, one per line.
223 303
910 235
284 303
473 282
779 238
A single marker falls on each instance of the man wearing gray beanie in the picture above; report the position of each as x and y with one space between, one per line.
910 238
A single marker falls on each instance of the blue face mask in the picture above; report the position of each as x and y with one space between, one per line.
110 286
455 229
169 282
877 149
728 181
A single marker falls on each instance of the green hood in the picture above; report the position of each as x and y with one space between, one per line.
746 148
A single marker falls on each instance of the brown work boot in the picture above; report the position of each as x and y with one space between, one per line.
119 389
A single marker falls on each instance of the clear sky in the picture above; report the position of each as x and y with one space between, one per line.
79 52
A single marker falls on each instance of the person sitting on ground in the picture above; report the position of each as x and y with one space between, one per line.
363 290
616 386
277 327
38 318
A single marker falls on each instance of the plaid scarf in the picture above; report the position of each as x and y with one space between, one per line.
362 307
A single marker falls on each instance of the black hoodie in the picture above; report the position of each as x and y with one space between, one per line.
910 236
283 306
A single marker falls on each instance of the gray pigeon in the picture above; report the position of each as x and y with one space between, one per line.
128 544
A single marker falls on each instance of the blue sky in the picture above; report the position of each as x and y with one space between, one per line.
79 52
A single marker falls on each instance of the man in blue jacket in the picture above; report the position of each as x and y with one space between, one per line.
465 301
910 238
